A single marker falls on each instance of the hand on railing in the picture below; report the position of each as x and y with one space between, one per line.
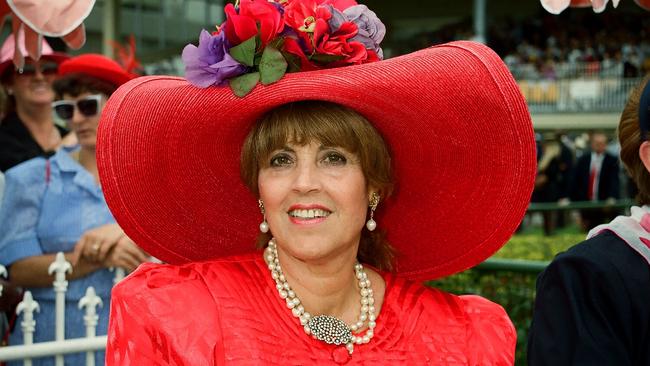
95 243
109 246
125 254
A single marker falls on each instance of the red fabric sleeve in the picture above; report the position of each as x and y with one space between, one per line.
162 315
491 335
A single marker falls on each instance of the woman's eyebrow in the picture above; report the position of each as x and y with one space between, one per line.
286 148
327 147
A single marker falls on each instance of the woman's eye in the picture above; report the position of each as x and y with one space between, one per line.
333 158
280 160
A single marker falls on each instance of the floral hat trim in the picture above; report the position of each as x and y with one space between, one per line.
261 40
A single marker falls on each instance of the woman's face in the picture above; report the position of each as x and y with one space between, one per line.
34 85
82 115
315 199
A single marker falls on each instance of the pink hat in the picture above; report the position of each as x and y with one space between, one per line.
9 47
32 19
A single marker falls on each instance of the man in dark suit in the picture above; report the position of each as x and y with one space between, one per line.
596 178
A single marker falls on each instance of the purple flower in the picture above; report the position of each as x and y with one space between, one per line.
209 63
371 29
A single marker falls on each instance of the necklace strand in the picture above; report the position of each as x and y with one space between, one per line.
324 327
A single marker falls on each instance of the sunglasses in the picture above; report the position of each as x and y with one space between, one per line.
46 68
88 106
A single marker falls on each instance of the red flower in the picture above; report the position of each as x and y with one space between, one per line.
291 46
242 25
307 18
338 44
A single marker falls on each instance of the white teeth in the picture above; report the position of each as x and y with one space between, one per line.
309 214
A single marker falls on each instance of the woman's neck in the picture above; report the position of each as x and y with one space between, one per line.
328 288
38 121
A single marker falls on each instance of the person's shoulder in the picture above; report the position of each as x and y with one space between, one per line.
9 125
479 326
155 277
605 251
29 171
199 278
437 303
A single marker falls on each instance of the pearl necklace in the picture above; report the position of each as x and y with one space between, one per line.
326 328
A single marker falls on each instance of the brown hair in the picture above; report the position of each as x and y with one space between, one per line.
629 136
333 125
76 84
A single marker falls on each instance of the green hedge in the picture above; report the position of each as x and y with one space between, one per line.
514 291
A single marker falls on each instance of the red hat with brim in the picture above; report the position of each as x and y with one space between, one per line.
98 66
455 121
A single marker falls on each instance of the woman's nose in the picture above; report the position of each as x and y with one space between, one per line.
77 117
307 178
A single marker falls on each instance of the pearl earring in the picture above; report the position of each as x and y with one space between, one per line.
264 226
374 201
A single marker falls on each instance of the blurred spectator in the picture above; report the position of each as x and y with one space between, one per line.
27 129
56 205
596 178
591 305
546 181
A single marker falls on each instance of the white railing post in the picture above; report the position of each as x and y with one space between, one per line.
27 307
60 267
120 273
3 273
90 301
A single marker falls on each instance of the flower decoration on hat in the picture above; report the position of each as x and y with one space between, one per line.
261 40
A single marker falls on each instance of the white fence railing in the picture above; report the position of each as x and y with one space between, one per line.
577 95
59 346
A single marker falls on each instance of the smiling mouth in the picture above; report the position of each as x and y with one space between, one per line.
309 214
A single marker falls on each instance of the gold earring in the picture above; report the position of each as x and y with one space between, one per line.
374 201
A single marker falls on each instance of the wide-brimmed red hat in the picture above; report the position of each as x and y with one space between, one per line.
98 66
457 125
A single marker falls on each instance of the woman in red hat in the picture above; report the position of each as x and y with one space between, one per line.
56 205
27 129
358 178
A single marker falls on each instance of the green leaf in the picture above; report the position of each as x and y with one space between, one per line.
258 59
293 61
277 43
325 59
243 84
273 66
244 52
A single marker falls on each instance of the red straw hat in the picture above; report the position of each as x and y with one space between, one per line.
98 66
457 125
